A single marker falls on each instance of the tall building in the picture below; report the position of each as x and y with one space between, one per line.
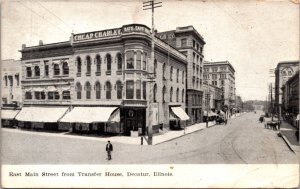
222 74
284 70
212 98
100 81
190 43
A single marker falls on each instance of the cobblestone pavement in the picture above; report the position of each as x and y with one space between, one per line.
244 140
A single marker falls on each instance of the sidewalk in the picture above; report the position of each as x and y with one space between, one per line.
288 134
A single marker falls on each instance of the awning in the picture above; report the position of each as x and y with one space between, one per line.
41 114
115 116
9 114
88 115
178 111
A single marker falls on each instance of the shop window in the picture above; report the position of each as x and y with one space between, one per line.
145 61
164 94
36 71
155 67
108 62
66 95
88 90
144 90
138 60
129 89
130 60
78 90
182 95
171 73
119 61
171 94
138 89
28 95
108 90
78 60
65 68
28 72
119 89
88 66
98 90
56 69
98 63
155 93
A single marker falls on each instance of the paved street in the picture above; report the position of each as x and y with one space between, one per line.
244 140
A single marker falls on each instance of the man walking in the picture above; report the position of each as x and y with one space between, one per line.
109 149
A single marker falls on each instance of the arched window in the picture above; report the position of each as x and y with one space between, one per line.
108 62
171 73
129 60
108 90
78 90
88 65
164 71
98 90
65 68
177 95
5 78
138 60
145 61
37 71
154 93
88 90
155 67
182 95
177 76
119 61
78 60
28 95
56 69
171 94
164 94
98 63
119 89
183 77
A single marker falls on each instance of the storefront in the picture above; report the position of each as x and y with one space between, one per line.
8 117
134 120
178 118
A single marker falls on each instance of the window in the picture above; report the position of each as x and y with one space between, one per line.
56 95
98 63
119 89
193 68
78 60
144 90
197 47
177 95
50 95
130 60
215 69
88 90
66 95
88 65
171 94
222 82
5 78
155 67
171 73
129 89
138 89
184 42
43 95
108 62
182 95
78 89
154 92
28 72
65 68
98 90
36 71
163 94
182 76
138 60
145 61
17 79
164 71
283 73
37 95
46 70
56 69
194 44
214 76
119 61
108 90
177 76
28 95
11 81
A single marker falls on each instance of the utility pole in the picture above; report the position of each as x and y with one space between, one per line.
146 6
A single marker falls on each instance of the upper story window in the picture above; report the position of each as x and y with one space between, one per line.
88 89
197 47
194 44
201 49
155 67
130 60
177 76
182 76
5 78
78 89
108 62
28 95
11 81
46 70
171 94
129 89
66 95
28 72
145 61
194 68
164 70
119 89
98 90
119 61
17 79
163 94
88 65
56 69
171 73
36 71
138 60
215 69
40 95
98 63
177 95
144 90
182 95
108 90
214 76
65 68
184 42
154 93
78 60
138 89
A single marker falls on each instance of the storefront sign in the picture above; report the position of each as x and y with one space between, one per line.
111 33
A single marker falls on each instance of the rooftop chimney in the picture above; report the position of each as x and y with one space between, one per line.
41 42
23 46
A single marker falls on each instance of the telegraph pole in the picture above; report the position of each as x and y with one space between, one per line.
146 6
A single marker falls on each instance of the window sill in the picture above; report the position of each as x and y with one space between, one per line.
108 72
119 72
97 73
78 74
88 73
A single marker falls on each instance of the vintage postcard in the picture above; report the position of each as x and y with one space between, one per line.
150 94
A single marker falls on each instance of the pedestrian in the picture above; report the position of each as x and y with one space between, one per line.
109 149
225 121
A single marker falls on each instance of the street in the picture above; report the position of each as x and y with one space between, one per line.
242 141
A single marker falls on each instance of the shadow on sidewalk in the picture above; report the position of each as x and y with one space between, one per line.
291 137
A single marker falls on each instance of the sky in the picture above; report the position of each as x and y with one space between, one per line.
252 35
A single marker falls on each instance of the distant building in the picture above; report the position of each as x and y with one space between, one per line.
283 72
11 89
212 98
222 75
239 103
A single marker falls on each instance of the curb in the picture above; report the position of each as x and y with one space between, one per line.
287 142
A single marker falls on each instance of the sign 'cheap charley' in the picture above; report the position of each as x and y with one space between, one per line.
111 33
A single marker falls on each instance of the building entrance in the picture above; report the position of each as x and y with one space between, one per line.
134 119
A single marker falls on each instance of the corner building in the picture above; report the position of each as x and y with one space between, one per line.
108 83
